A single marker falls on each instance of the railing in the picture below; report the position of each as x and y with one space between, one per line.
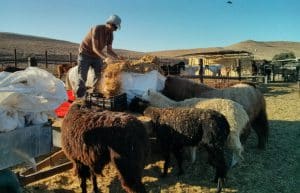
46 59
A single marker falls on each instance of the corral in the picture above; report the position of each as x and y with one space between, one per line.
256 169
272 170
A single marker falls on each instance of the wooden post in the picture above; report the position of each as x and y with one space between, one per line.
239 68
46 58
15 54
70 58
298 76
201 70
273 72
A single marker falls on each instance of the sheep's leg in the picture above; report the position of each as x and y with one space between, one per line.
166 164
193 152
178 155
246 133
83 185
130 173
83 172
234 160
95 186
261 127
221 183
217 159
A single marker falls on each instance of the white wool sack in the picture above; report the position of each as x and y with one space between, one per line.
4 75
136 84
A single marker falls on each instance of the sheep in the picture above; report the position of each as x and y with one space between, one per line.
234 113
245 94
177 128
137 105
91 139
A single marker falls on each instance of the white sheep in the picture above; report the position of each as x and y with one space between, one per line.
233 111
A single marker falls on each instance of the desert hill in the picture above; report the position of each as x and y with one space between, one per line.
260 50
33 45
28 45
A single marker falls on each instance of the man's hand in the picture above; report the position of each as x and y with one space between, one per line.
108 60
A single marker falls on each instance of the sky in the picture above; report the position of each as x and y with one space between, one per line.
155 25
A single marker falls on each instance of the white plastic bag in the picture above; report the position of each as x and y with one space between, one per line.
10 120
135 84
32 90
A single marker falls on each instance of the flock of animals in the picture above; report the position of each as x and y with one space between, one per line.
183 115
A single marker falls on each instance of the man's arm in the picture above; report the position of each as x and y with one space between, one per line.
96 46
112 53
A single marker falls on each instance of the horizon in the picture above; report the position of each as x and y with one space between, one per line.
33 36
149 26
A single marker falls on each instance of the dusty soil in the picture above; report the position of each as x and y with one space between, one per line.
275 169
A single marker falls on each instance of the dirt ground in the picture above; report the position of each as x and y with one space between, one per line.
275 169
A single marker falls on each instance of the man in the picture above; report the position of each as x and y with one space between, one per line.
91 54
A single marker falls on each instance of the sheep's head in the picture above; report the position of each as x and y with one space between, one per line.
153 113
150 93
138 105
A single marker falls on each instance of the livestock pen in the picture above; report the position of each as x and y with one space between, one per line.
275 169
272 170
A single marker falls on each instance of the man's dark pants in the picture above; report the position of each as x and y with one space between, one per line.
84 63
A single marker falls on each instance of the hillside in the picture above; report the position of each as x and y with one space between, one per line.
28 45
260 50
266 50
32 45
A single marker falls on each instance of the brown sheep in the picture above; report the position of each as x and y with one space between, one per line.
91 139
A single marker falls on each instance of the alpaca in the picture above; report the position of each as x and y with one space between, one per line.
245 94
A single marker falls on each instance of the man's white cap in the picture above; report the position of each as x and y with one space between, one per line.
114 19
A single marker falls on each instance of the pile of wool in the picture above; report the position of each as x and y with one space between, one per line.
149 59
143 65
110 84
